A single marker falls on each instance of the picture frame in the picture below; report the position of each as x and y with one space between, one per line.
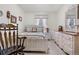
20 18
13 19
8 14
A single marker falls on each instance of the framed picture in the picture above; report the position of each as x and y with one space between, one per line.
8 14
13 19
20 18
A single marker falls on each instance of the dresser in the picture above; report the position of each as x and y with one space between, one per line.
67 41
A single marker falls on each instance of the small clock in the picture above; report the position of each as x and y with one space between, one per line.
1 13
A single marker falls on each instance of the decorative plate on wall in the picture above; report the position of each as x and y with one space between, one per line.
20 18
1 13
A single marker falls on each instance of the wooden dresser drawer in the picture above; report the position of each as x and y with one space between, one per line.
66 42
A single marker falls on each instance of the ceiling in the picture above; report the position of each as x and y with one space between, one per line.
40 7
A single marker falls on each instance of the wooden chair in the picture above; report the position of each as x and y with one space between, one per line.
10 43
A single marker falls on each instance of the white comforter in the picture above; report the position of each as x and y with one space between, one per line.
34 35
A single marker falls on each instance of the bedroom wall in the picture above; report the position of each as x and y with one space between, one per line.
14 10
51 22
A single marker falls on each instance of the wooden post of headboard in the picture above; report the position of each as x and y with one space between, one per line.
47 30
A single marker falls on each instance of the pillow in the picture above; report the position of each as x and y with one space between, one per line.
34 29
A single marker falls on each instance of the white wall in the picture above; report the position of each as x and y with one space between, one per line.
14 10
52 21
29 19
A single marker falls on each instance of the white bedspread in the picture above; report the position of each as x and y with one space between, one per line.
34 35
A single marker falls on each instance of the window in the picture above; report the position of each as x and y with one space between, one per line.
41 21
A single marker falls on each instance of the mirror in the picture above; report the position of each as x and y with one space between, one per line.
71 19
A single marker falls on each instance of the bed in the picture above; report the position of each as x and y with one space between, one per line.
33 35
36 39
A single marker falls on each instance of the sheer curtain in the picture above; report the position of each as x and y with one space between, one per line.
41 21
